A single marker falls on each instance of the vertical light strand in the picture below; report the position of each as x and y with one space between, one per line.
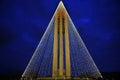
68 68
55 48
61 46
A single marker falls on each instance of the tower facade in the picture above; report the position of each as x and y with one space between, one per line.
61 40
61 52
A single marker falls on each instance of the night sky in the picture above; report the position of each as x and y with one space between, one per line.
23 22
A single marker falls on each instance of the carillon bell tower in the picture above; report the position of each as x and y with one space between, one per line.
61 44
61 53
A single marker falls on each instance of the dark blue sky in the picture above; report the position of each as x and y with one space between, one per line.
23 22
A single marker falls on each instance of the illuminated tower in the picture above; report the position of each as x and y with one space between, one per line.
61 53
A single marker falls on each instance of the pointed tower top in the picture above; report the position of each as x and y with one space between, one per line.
61 7
61 4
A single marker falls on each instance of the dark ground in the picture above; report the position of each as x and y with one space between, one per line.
106 76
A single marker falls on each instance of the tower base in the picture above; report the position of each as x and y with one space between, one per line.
59 78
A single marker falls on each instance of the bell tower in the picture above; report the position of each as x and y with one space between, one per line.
61 53
61 40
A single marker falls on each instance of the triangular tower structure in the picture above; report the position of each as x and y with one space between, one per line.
61 52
